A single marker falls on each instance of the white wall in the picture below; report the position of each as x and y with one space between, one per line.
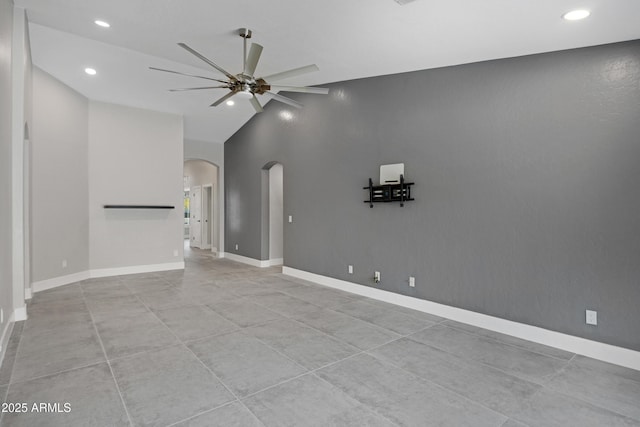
200 172
276 215
60 216
135 157
6 28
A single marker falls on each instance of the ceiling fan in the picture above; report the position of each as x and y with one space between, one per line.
245 84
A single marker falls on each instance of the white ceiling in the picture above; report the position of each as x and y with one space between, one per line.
347 39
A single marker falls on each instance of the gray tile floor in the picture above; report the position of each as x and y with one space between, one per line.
225 344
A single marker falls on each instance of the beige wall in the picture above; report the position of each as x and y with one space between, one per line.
60 216
135 157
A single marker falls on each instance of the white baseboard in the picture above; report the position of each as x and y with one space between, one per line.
136 269
19 314
597 350
247 260
221 255
43 285
275 261
28 294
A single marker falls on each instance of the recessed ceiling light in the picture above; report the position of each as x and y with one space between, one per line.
90 71
576 15
102 24
230 103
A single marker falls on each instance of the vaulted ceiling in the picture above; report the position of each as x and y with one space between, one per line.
347 39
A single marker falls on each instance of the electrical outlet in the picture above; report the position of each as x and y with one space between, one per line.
64 263
236 246
591 317
290 218
412 281
376 276
350 269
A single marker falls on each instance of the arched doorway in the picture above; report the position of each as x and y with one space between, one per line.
202 220
273 213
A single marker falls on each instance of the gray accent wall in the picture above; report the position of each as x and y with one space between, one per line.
60 189
526 185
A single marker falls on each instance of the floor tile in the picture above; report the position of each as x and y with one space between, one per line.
404 398
194 321
244 313
385 318
90 391
549 409
147 284
407 311
166 386
10 353
353 331
513 423
507 339
48 351
306 346
3 395
165 299
601 384
243 363
322 297
308 401
62 293
117 306
232 415
125 335
494 389
514 360
245 288
284 304
105 290
207 293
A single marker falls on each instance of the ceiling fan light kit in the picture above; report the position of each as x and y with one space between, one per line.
245 85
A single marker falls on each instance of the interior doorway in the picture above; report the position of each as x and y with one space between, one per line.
273 213
201 205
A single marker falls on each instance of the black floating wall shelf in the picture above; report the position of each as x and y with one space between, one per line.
388 193
139 207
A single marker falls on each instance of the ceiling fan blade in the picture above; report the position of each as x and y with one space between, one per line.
292 73
221 100
186 74
318 90
207 60
256 104
199 88
285 100
252 59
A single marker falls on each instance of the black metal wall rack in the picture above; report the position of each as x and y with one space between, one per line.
388 193
139 207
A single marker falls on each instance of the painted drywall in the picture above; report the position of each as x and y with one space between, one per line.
200 172
21 111
526 186
213 153
6 272
60 192
135 158
276 215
